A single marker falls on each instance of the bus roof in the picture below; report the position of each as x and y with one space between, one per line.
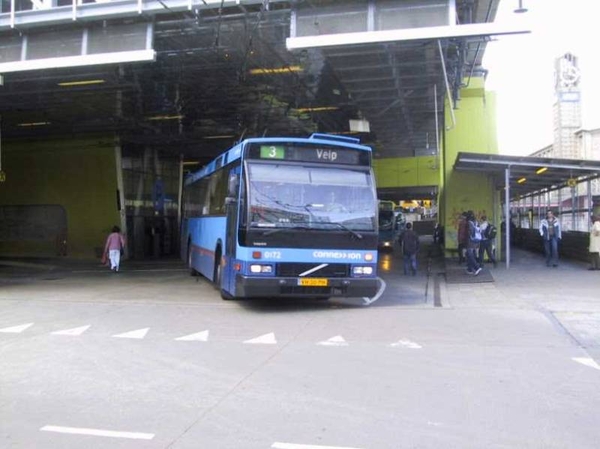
235 152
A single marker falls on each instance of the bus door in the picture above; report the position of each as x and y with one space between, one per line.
231 210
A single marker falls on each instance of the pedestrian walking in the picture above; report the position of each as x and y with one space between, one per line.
473 266
115 242
551 235
488 234
595 243
409 240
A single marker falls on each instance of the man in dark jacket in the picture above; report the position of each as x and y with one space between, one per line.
410 247
551 235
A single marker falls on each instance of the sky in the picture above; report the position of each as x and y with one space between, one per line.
521 69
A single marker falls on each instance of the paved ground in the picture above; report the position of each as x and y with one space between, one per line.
153 358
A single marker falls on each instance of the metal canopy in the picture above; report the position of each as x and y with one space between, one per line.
222 72
528 175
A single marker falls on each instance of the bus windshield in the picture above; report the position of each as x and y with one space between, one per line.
292 196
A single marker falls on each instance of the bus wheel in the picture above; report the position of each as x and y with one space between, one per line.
189 260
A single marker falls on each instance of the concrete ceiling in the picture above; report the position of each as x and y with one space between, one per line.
203 76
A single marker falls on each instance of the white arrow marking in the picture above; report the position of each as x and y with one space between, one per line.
267 339
382 286
406 344
587 361
74 331
334 341
98 432
305 446
200 336
16 329
139 334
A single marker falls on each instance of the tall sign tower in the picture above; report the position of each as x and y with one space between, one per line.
567 107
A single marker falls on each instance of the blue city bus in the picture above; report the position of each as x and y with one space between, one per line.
284 217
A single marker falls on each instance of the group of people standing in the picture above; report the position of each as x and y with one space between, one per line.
475 240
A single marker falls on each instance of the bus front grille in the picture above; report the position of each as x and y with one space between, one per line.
332 270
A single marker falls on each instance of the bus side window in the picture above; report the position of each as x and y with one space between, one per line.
202 197
217 187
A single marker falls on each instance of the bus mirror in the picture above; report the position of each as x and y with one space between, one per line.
229 200
232 187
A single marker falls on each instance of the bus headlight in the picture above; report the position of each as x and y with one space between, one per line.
362 270
255 268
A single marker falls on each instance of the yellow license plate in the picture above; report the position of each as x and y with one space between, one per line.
313 282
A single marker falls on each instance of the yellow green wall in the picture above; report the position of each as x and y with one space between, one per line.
78 174
474 132
407 171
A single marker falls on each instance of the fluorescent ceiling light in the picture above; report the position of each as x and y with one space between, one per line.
80 83
522 180
276 70
224 136
539 171
166 117
318 109
33 124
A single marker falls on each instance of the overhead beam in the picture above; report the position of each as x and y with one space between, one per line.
109 10
378 37
77 61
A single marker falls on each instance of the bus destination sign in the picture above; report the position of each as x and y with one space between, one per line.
312 154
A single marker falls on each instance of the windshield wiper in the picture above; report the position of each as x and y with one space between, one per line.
300 226
273 231
345 228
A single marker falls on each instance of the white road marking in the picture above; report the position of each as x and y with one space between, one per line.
98 432
587 361
406 344
369 301
267 339
306 446
338 340
74 331
16 329
139 334
200 336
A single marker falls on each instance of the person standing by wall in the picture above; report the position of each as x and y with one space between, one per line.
551 235
473 267
488 233
410 248
595 243
462 237
115 242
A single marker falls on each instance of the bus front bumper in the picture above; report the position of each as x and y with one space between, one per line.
288 287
